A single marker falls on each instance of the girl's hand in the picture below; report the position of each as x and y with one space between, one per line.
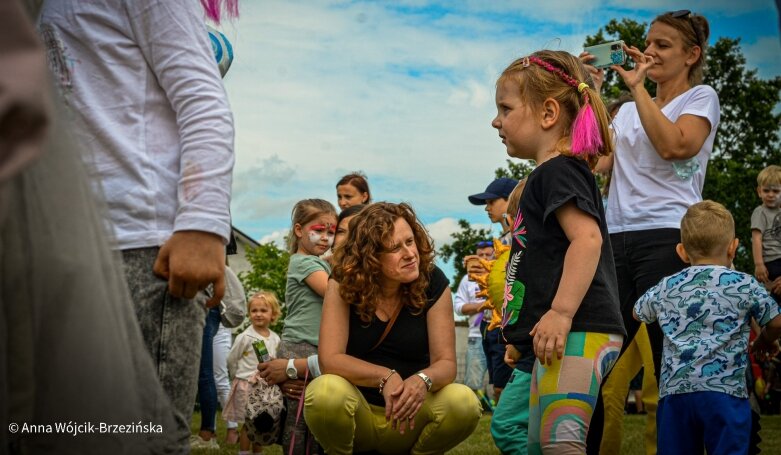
550 335
409 397
511 355
635 77
597 74
273 371
760 271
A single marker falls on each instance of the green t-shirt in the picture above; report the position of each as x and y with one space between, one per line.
304 306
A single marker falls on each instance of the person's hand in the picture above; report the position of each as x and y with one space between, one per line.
393 383
403 399
550 335
760 271
190 261
597 74
764 350
635 77
775 286
293 388
273 371
409 397
473 265
511 355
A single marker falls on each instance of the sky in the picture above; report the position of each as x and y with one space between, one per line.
404 92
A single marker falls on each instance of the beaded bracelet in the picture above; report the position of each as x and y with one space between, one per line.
385 379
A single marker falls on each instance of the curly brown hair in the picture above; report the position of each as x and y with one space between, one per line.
357 262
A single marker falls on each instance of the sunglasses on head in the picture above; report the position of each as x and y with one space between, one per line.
685 13
485 243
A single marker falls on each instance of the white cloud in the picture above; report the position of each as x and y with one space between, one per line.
277 237
441 231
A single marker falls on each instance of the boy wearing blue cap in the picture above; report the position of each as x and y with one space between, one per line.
495 200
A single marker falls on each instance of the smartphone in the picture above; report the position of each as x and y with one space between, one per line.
607 54
261 352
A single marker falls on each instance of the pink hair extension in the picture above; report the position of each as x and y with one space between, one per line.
586 137
213 9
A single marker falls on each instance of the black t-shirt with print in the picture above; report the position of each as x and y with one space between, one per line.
538 248
405 348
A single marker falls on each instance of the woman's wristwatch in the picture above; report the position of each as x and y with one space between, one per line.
426 379
291 371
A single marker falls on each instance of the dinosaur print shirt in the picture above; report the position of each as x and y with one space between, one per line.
705 313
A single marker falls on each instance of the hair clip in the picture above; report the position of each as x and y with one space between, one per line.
525 62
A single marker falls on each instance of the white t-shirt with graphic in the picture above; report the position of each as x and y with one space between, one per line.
768 222
647 192
705 314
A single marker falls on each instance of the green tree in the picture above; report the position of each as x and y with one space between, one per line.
269 273
517 170
747 139
464 243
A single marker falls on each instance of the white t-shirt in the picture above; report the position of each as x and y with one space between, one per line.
645 190
466 294
242 361
150 109
768 222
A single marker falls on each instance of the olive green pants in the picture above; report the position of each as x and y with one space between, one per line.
343 421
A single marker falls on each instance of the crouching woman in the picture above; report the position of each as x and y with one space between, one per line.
387 345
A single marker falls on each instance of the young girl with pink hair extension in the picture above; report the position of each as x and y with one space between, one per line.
561 293
215 8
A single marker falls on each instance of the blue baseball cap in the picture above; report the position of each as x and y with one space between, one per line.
499 188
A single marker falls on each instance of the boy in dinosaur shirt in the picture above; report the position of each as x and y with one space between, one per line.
705 313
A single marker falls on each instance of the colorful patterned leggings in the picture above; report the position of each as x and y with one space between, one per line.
563 394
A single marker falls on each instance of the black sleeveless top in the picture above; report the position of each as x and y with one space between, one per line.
405 348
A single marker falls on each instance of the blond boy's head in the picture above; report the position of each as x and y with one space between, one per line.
769 186
769 176
708 231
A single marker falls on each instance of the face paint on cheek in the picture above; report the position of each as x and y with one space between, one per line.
314 237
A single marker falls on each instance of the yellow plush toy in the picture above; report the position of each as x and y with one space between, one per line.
492 283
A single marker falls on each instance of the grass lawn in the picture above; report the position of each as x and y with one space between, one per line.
480 441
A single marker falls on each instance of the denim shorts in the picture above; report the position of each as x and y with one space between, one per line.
475 364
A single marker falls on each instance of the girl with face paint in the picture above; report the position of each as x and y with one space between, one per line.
311 235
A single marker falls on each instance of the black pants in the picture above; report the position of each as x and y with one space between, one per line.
642 259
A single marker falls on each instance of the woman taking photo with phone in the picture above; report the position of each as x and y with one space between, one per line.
663 145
